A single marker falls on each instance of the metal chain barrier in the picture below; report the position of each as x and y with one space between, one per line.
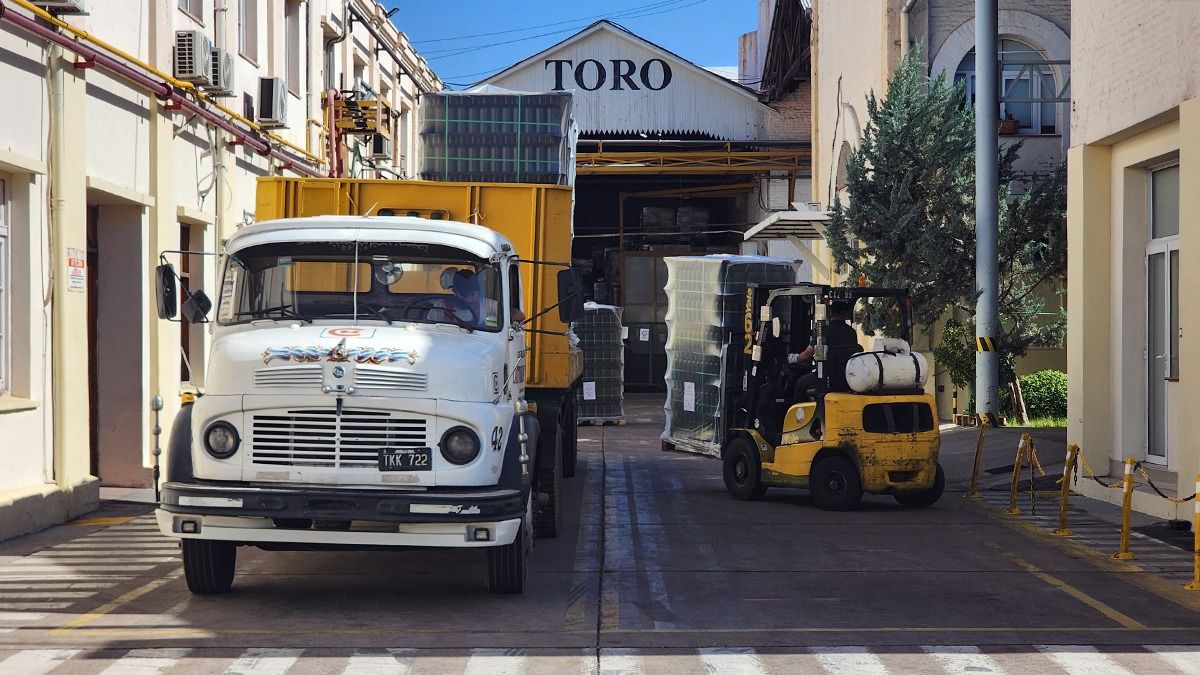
1092 474
1173 500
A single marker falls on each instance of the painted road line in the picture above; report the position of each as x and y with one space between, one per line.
66 585
1082 660
264 662
59 569
496 662
389 662
85 562
125 599
620 662
146 661
115 546
35 661
49 595
849 661
113 553
963 660
731 661
1183 659
19 606
649 537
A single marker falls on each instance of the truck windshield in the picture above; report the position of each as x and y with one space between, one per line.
386 281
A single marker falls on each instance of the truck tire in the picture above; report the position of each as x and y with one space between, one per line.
925 497
508 565
209 565
570 439
835 483
547 512
742 470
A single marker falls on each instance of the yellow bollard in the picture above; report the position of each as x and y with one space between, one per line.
973 491
1012 509
1194 584
1065 493
1126 513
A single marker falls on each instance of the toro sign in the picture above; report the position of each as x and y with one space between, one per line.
591 74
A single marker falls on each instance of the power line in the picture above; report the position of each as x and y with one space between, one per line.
546 25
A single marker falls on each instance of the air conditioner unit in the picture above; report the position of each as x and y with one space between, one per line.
272 102
222 74
381 147
193 57
63 6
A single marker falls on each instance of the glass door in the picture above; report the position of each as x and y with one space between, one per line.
1162 307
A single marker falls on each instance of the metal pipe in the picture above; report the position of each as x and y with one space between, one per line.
1018 464
987 108
1194 584
908 6
1064 494
1126 513
164 91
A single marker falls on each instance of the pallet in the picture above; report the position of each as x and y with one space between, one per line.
601 421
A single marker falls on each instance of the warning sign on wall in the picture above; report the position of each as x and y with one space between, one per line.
76 270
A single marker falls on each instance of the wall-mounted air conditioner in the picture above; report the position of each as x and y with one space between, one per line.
222 74
63 6
272 102
381 147
193 57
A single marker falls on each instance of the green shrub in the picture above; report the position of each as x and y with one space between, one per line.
1045 393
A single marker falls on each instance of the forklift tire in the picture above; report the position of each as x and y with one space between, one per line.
925 497
743 470
208 565
508 565
835 484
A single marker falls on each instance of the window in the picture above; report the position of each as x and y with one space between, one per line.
1162 300
1025 80
5 326
291 17
248 29
195 8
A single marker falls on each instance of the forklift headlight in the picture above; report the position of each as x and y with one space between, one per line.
460 445
221 440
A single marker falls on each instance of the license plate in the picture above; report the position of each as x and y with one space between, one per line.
405 459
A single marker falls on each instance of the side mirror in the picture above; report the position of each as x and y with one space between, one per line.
165 293
197 307
570 296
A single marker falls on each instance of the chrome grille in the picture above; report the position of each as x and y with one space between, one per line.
375 377
322 438
289 376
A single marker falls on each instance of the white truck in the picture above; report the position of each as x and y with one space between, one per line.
365 388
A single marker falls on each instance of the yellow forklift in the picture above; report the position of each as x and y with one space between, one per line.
817 411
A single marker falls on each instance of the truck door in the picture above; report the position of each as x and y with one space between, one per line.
516 345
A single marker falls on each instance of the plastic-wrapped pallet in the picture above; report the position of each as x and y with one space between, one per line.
706 298
601 396
494 135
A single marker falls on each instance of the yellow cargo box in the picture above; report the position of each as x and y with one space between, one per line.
535 218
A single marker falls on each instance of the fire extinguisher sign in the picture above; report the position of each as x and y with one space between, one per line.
76 270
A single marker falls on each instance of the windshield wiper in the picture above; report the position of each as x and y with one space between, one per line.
377 311
285 310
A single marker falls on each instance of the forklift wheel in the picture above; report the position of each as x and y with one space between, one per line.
925 497
835 484
743 470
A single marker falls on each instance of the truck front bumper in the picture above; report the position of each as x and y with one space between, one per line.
318 516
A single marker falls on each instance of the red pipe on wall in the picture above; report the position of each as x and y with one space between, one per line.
161 90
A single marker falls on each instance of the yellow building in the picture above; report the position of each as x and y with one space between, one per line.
106 159
1135 142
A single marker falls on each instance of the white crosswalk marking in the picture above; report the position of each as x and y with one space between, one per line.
146 661
731 661
392 662
620 662
1082 660
264 662
496 662
849 661
1183 659
35 661
963 660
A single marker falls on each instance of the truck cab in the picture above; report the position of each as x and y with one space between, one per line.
365 388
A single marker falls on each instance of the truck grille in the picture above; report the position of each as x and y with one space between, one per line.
322 438
289 376
373 377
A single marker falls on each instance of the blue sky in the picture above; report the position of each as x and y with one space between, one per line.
702 31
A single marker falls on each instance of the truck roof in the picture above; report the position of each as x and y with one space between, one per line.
477 239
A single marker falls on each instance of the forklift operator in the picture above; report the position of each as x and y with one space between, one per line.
841 341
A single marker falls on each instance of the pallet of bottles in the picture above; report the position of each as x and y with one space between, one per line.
600 397
497 136
706 298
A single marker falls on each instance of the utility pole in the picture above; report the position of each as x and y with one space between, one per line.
987 108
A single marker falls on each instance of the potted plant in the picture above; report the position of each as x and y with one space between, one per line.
1009 125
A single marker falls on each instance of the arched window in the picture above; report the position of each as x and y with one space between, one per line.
1026 83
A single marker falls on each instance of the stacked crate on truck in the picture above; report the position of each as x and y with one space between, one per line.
705 320
601 394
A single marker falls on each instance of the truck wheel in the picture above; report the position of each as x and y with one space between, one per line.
508 565
743 470
208 565
570 439
547 515
925 497
835 484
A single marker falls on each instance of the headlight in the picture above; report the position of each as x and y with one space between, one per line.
221 440
460 445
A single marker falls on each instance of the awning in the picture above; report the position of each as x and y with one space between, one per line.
799 226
